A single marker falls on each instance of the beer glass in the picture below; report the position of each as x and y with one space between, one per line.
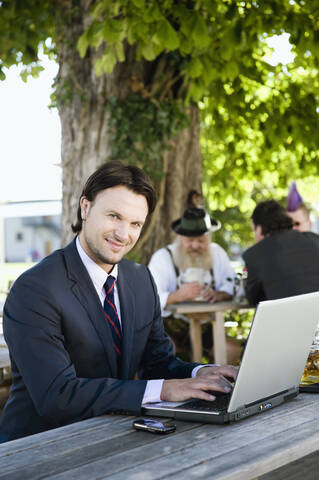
203 277
311 371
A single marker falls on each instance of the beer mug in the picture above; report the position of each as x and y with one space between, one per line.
311 371
193 275
203 277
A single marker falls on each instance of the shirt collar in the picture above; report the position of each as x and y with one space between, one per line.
97 274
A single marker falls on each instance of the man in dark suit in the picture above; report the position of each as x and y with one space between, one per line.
283 262
83 322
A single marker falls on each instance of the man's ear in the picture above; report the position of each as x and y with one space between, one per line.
259 233
85 205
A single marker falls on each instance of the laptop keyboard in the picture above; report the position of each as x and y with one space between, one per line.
219 405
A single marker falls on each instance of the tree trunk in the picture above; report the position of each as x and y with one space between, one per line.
82 98
183 173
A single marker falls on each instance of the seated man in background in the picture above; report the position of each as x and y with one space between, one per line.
283 262
170 267
298 211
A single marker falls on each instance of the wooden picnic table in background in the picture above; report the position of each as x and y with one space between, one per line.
108 447
196 312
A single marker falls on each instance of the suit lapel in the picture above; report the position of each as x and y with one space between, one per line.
127 304
86 294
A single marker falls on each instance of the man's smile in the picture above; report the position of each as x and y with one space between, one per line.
115 245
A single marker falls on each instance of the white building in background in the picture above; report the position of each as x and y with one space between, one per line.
29 230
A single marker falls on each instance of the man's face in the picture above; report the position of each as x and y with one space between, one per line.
301 221
112 224
194 245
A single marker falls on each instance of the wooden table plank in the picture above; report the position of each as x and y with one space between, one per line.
221 453
108 447
306 467
70 432
75 449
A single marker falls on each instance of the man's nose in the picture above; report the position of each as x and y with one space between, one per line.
122 231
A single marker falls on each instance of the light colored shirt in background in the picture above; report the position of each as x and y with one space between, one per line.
162 269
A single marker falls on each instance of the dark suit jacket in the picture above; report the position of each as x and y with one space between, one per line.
282 265
63 362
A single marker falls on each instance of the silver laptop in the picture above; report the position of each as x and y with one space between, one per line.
273 362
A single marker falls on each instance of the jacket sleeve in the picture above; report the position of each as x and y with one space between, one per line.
41 364
254 288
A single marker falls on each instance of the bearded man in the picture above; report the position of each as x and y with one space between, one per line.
171 266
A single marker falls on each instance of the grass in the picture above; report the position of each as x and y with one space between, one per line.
8 273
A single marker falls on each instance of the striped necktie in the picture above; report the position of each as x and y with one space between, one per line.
112 317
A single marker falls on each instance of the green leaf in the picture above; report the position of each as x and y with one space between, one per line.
130 35
227 50
119 51
231 70
195 92
82 44
94 34
199 32
148 52
112 31
166 36
139 3
155 13
105 64
195 68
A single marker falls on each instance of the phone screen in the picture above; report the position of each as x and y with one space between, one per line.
154 425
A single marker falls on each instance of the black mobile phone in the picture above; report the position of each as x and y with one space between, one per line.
154 425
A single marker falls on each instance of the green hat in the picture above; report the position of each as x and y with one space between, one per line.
195 222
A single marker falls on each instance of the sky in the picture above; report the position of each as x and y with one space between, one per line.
30 132
30 138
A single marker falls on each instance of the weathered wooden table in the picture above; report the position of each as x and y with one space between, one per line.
108 447
196 312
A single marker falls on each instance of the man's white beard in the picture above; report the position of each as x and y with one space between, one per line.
184 260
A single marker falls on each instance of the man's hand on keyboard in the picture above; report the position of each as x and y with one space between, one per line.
202 386
228 371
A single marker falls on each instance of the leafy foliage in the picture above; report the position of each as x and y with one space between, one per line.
238 324
142 129
257 139
24 26
258 121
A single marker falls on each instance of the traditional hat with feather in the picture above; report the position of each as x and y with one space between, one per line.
294 198
195 222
